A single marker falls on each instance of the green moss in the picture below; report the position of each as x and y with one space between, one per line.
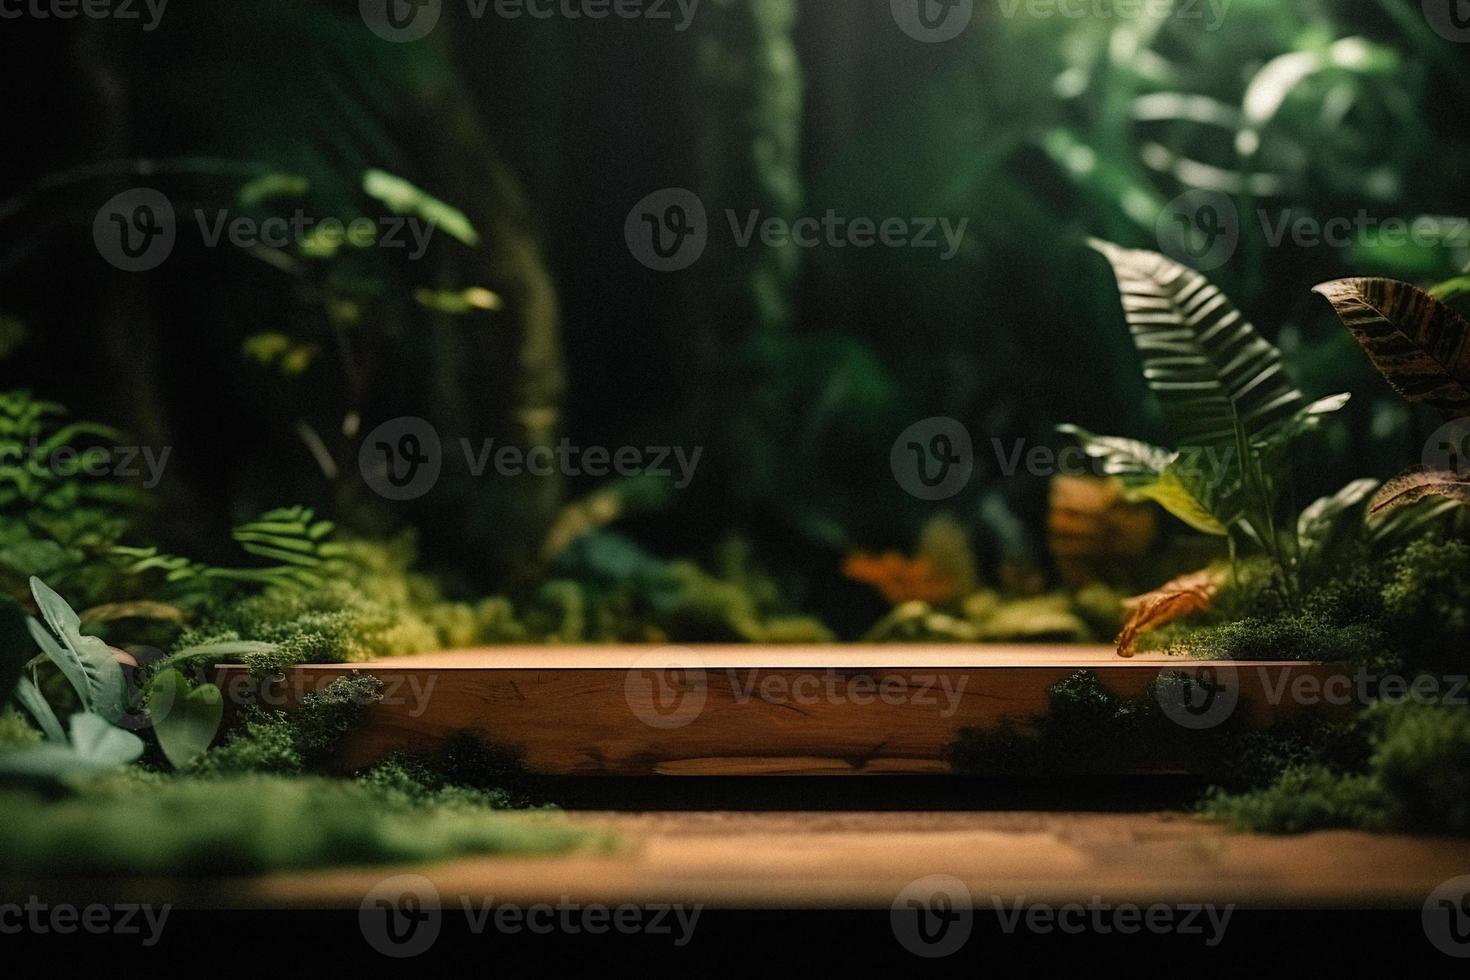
1426 603
1421 760
305 740
252 824
1305 798
1087 728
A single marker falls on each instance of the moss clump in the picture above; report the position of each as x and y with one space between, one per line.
251 824
1421 760
1305 798
1087 728
1416 778
1426 604
464 768
303 741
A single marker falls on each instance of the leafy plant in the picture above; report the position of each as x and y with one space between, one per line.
1422 347
1226 398
55 521
300 546
91 743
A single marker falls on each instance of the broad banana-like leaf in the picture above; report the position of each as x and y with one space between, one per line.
1416 485
1213 373
1418 343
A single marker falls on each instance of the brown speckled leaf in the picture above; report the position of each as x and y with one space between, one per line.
1412 487
1418 343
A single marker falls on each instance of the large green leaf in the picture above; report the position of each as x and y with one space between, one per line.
1147 472
1215 377
86 661
184 719
1418 343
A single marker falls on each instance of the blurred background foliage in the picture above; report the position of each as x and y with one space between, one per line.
794 369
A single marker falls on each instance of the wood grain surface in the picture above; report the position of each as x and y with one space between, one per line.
744 710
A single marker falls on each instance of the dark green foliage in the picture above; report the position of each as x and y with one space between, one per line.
56 520
1303 799
139 825
1087 728
1293 637
1421 760
1426 603
464 767
1417 779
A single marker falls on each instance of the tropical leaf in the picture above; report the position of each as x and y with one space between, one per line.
1214 375
185 719
1147 472
1179 496
1416 485
1418 343
1327 521
86 661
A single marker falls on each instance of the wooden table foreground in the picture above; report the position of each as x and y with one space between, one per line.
734 859
748 710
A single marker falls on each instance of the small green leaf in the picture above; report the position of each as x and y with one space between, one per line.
184 719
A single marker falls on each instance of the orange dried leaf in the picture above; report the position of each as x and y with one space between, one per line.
1171 601
900 579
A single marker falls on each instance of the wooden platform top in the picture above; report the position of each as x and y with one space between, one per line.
834 657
